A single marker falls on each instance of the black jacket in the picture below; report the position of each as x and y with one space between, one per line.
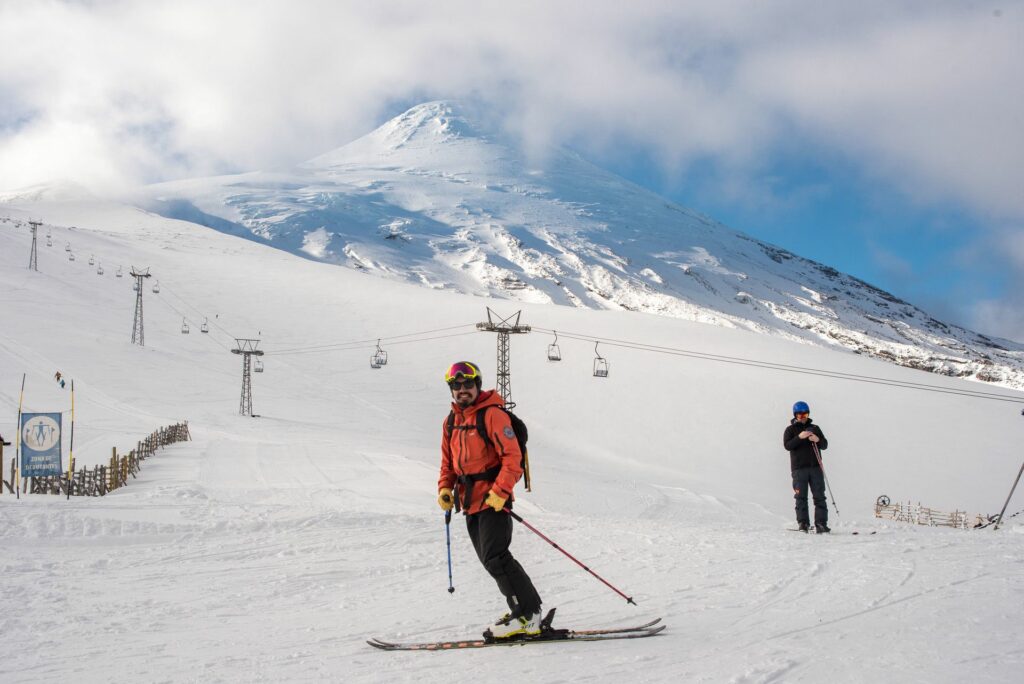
801 453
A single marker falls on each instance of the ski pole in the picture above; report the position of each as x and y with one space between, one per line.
629 599
71 453
16 475
999 520
822 466
448 535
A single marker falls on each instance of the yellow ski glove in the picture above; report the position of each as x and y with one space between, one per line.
495 501
445 500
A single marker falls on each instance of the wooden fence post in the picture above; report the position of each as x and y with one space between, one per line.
101 479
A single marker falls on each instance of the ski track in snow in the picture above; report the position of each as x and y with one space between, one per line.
269 549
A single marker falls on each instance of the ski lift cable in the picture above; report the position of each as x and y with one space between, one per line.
173 308
651 347
828 374
820 373
770 365
377 339
164 288
195 322
363 347
354 344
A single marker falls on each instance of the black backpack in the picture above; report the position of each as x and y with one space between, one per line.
518 426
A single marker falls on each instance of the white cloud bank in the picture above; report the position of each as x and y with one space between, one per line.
924 96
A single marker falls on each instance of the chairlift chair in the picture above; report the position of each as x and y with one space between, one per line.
156 287
92 260
204 328
554 353
99 270
67 246
257 366
600 364
135 286
380 357
373 362
49 242
71 256
184 327
118 274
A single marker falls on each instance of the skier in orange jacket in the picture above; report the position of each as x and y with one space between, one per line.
477 476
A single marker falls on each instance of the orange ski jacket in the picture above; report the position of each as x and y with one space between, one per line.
466 453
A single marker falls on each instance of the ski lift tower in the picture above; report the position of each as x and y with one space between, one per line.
33 264
247 348
137 332
504 327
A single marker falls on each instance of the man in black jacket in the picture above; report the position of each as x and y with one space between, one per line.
804 441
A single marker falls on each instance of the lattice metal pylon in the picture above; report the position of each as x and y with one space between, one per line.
33 257
138 334
504 327
247 348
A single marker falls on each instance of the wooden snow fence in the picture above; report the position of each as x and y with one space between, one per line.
922 515
99 480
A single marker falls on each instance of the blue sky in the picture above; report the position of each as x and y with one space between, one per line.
825 210
881 137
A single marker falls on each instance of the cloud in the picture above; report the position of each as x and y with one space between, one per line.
927 103
926 91
893 265
921 96
1004 316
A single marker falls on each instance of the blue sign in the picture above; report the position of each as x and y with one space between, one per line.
40 444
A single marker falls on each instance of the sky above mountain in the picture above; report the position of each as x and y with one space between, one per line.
881 138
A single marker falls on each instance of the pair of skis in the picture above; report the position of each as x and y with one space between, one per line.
547 635
841 532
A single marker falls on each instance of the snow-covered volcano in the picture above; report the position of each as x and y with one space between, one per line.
433 197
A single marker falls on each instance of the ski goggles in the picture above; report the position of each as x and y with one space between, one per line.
462 369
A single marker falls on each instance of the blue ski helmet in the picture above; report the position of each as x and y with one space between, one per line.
801 407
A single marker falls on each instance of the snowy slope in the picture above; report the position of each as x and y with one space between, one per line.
268 549
431 197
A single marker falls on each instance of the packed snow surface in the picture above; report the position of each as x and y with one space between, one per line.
270 548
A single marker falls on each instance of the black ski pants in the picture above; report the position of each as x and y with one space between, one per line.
491 533
813 478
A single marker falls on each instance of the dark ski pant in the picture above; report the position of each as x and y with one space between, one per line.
491 533
815 479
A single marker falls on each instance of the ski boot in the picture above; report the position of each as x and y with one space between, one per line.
511 628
